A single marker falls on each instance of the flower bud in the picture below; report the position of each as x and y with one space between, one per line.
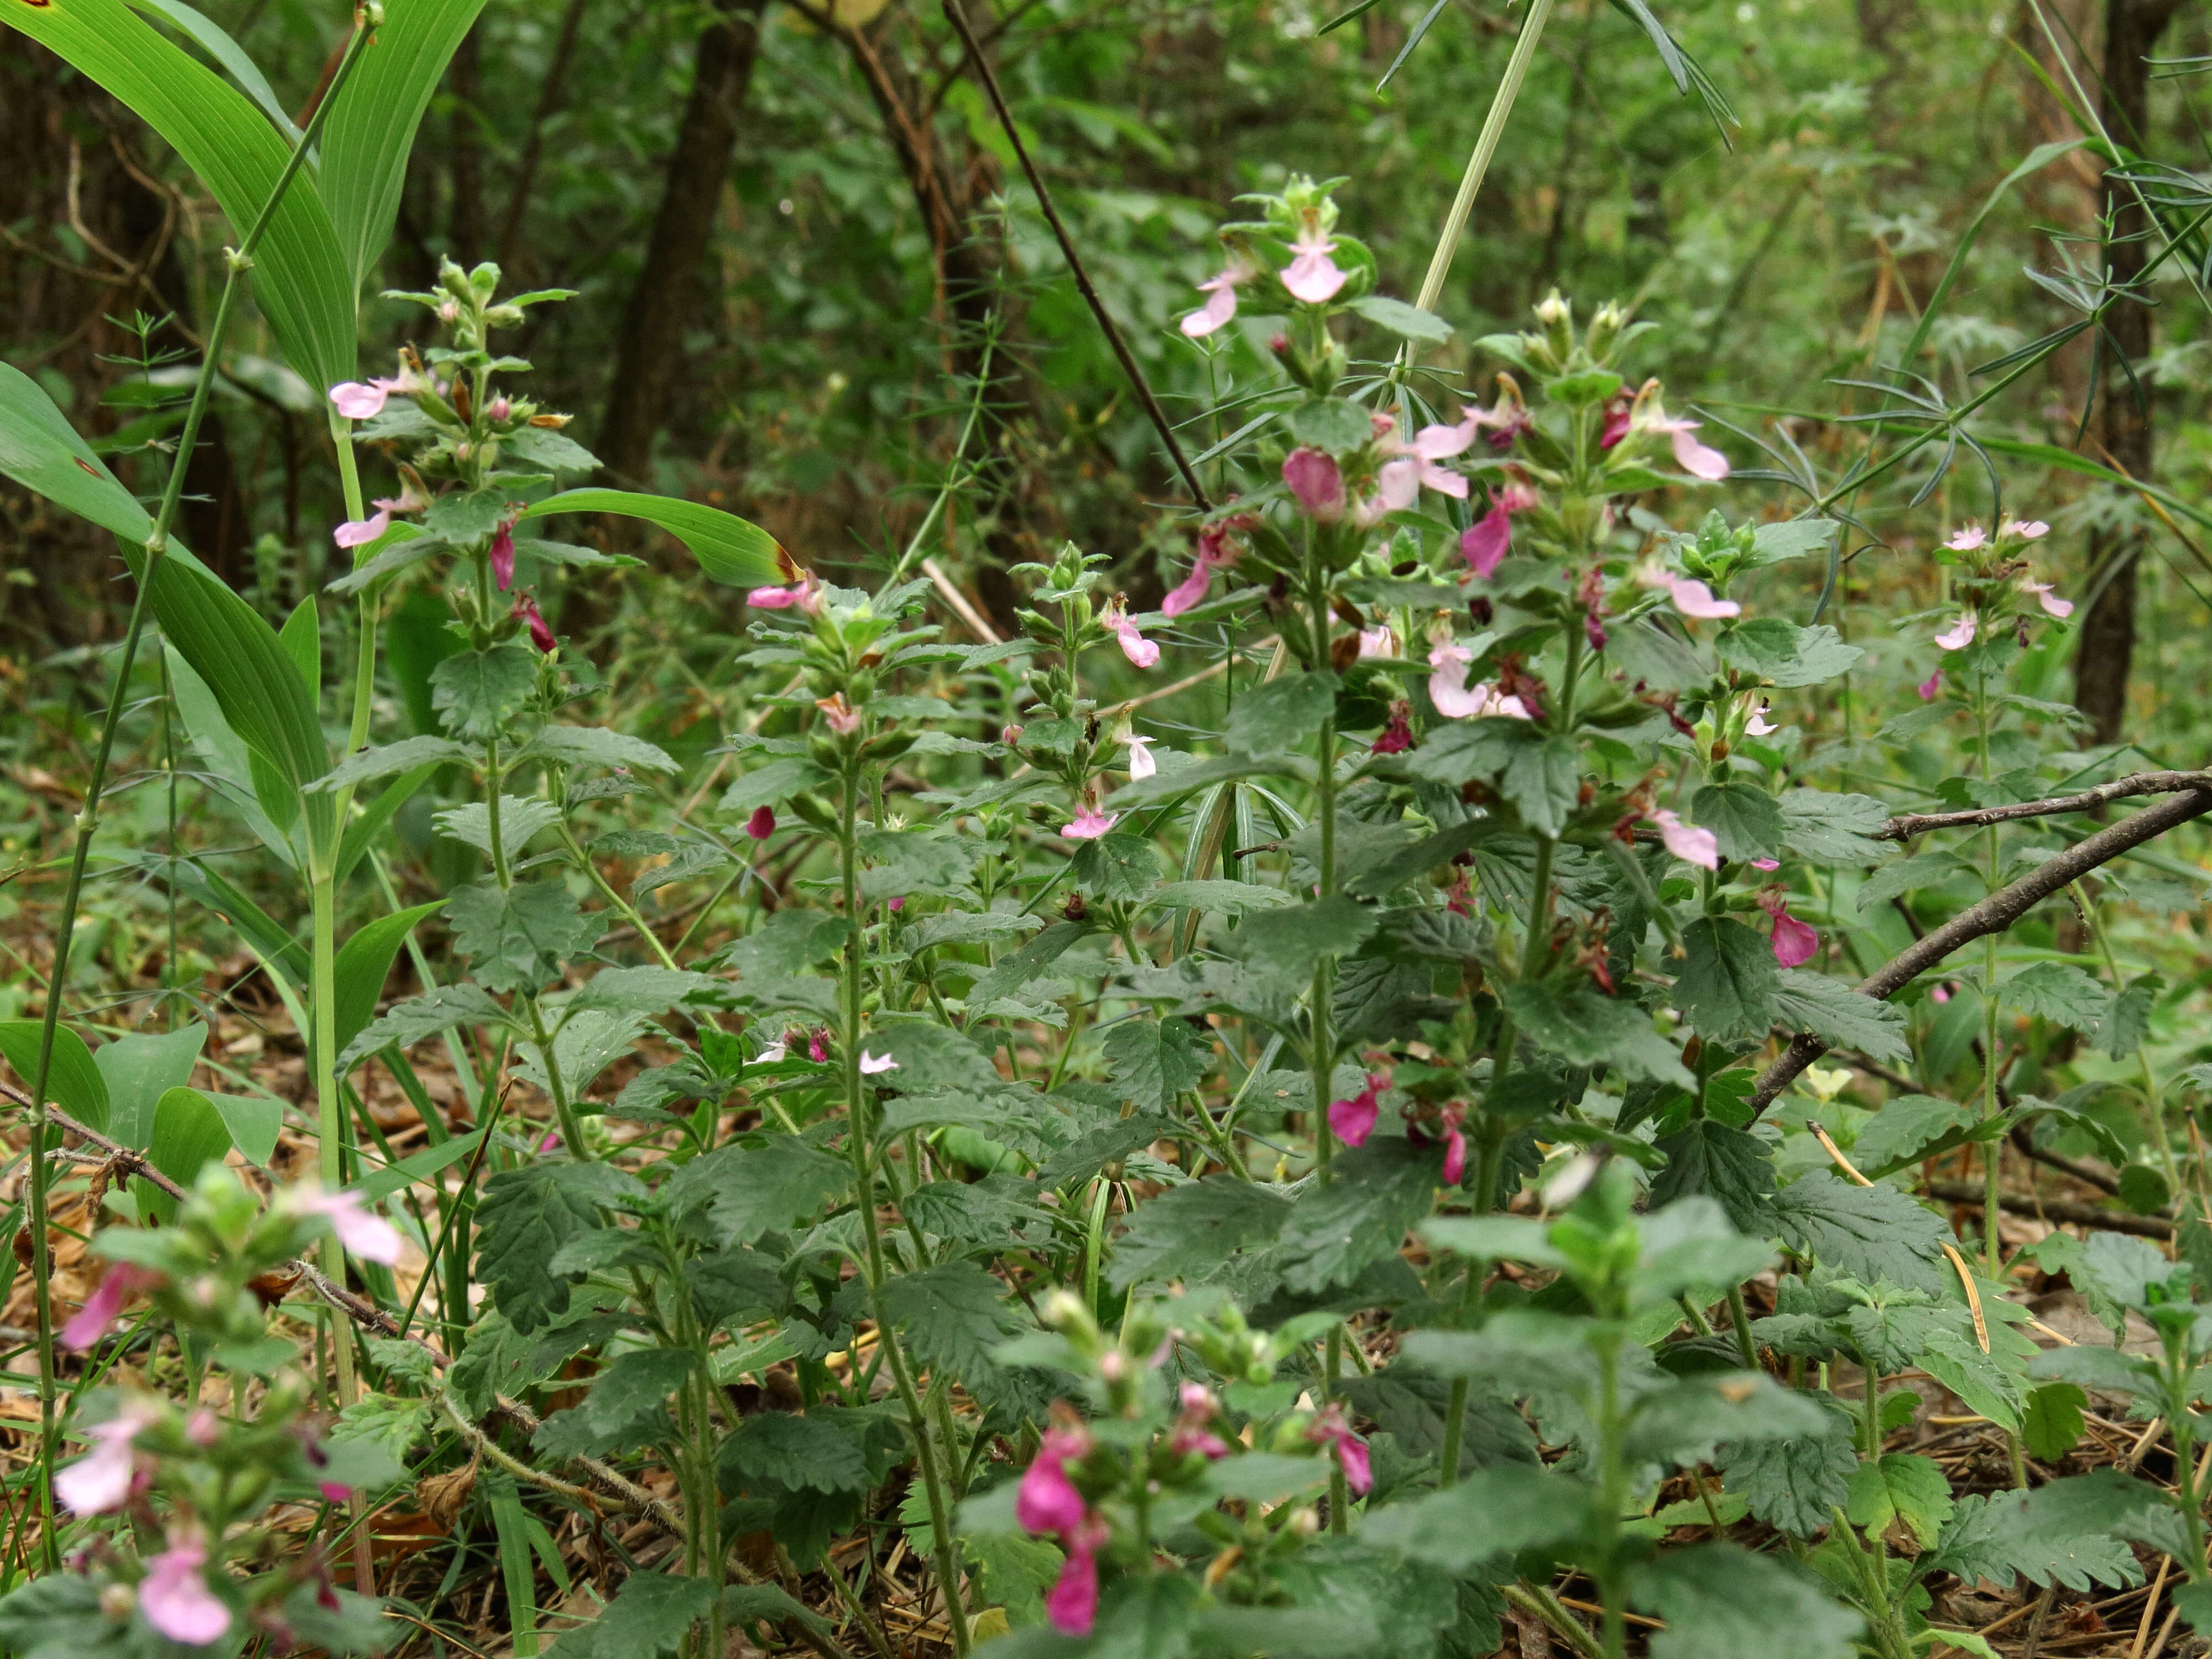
117 1603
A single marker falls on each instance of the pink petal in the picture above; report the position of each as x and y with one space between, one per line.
1072 1605
1089 824
1766 864
1377 642
876 1065
1699 460
1444 481
1438 443
1315 480
1929 687
1047 1500
1694 599
99 1312
1960 634
1687 843
503 554
1141 763
761 824
1967 540
2052 605
1351 1455
1140 651
1397 485
367 1235
1192 592
1794 942
1352 1121
1312 275
1220 307
357 402
360 533
175 1598
99 1482
1484 544
772 599
2030 530
1455 1167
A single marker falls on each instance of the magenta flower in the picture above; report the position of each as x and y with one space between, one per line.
1220 307
366 1235
806 593
174 1595
105 1303
1794 942
526 608
895 905
503 554
761 824
1617 421
1330 1428
498 409
1433 444
1929 687
1047 1500
1141 763
1960 634
1486 542
1141 651
876 1065
1311 275
1398 735
1315 480
1191 1433
98 1483
360 400
1215 552
1455 1162
1686 842
2052 606
1967 540
1352 1121
1072 1603
360 533
1089 824
818 1050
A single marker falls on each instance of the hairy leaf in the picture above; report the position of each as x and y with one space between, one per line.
1189 1231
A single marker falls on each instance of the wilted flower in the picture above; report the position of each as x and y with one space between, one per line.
366 1235
1960 634
818 1046
1398 735
99 1312
1220 307
1378 642
360 533
1686 842
761 824
1617 421
174 1595
844 718
1316 481
412 496
99 1482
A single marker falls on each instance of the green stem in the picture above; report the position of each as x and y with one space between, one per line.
1741 1318
1613 1497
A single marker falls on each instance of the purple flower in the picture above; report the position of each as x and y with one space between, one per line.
99 1482
1960 634
100 1307
761 824
1315 480
360 533
1311 275
1220 307
174 1595
503 554
367 1236
1072 1603
1089 824
1686 842
1352 1121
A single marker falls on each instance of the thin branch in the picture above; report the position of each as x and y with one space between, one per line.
1993 915
1907 826
959 19
2054 1209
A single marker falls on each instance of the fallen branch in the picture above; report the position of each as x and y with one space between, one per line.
1909 825
2055 1209
1993 915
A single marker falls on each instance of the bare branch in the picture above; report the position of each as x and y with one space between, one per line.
1993 915
2054 1209
1909 825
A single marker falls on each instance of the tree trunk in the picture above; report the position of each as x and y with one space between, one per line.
2107 649
665 300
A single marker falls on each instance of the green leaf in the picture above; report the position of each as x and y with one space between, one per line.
1901 1488
1587 1028
2194 1603
2051 1425
557 452
932 1056
1116 865
2143 1189
524 1217
1334 425
1722 1603
1227 898
2127 1020
2062 1533
1903 1126
1286 945
1869 1232
813 1452
624 1408
188 1134
1017 1573
384 1424
300 277
522 938
1743 818
1683 1422
1833 829
2055 990
953 1315
652 1613
771 785
1832 1012
520 818
1730 1166
1191 1230
397 1176
593 746
59 1616
364 962
408 1023
74 1081
737 1282
729 550
1499 1510
1281 713
1154 1060
1375 1193
254 1122
1787 654
139 1070
475 691
750 1190
1728 982
1791 1483
1407 322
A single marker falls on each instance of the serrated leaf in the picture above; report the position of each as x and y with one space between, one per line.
1905 1125
1375 1193
1285 946
770 786
1901 1488
1335 425
1189 1231
1832 1012
625 1406
1587 1028
1730 1166
1682 1422
1869 1232
524 1218
474 691
2051 1425
1728 983
953 1315
1499 1510
2061 1533
1281 713
1156 1061
519 820
814 1452
1721 1602
652 1613
408 1023
2055 990
522 938
1791 1483
1922 872
1018 966
1744 818
1117 867
750 1190
593 746
2127 1019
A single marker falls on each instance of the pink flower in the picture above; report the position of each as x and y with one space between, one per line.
1089 824
1448 687
1073 1604
876 1065
1378 642
1940 993
100 1307
1960 634
1454 1169
1433 444
332 1491
1315 480
1141 651
1699 460
1047 1500
1486 542
817 1049
1759 726
551 1139
1215 552
1686 842
1929 687
99 1482
2054 607
204 1428
367 1236
1968 539
175 1598
412 496
2028 530
1766 864
1311 275
498 409
360 533
844 718
1141 763
1694 599
1794 942
895 905
1220 307
1352 1121
806 595
540 634
1330 1428
360 401
761 824
1398 735
1191 1433
503 554
1617 421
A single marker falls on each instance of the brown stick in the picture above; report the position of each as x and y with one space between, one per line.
2056 1209
1907 826
1992 916
959 19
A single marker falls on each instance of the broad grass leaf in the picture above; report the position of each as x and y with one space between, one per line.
730 550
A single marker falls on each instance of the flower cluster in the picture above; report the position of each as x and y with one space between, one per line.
1991 573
